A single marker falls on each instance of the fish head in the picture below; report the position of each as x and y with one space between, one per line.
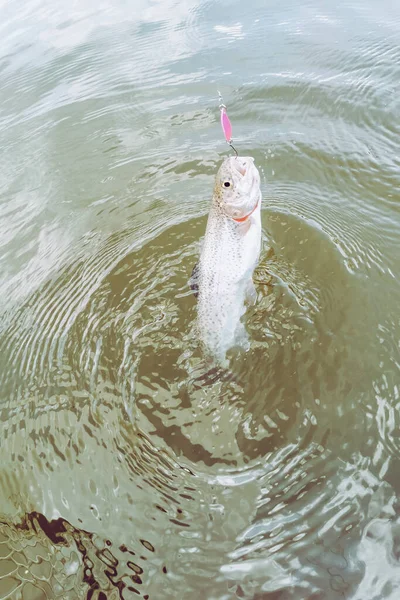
237 187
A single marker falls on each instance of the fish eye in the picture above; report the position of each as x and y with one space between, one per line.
227 184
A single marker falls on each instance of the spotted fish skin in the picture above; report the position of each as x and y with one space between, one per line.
228 257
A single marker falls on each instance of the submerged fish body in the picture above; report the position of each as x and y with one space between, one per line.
228 257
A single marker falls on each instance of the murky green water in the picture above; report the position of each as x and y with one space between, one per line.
126 469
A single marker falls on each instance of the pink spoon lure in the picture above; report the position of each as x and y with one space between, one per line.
226 125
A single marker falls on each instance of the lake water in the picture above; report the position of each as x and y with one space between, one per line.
127 470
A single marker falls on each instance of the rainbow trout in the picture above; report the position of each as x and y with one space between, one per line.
228 257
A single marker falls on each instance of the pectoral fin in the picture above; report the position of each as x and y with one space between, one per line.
245 226
251 293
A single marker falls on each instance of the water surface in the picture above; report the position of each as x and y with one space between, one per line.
126 469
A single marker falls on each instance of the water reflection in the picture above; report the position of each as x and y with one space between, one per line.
130 468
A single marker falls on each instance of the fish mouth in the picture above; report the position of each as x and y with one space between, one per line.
241 165
241 168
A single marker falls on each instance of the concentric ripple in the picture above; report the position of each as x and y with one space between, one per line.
129 466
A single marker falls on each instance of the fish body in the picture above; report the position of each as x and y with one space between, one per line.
228 257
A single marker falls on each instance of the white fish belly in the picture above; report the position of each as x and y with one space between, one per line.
219 321
229 256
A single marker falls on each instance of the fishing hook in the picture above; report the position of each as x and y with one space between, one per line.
234 149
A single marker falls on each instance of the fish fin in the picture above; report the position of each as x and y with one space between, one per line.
251 293
241 337
194 280
245 226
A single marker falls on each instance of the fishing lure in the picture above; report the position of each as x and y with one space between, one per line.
226 124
